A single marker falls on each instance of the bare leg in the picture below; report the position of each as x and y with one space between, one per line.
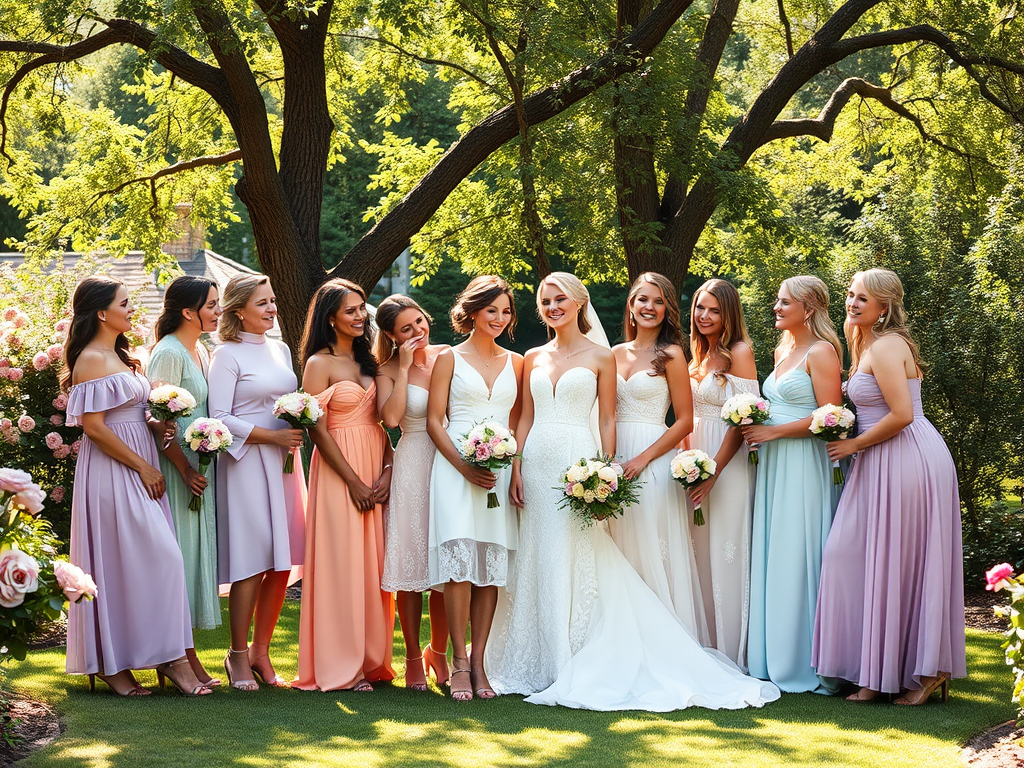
410 610
436 653
457 598
199 670
268 610
481 614
241 605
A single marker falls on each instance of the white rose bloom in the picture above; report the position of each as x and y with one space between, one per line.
607 474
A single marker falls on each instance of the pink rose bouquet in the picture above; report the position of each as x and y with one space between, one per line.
744 409
829 423
301 410
170 403
690 468
596 489
207 437
489 445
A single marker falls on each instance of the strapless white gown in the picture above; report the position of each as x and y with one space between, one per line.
577 625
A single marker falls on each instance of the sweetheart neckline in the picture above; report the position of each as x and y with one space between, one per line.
554 384
629 378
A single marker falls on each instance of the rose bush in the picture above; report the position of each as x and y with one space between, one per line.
997 579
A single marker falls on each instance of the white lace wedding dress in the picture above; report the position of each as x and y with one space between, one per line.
577 625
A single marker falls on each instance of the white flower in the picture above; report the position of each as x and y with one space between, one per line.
607 474
588 497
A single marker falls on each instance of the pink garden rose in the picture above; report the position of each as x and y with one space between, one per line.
55 352
31 500
26 423
14 480
56 419
76 446
15 374
62 451
13 340
57 494
19 575
5 362
10 313
53 440
60 402
830 420
40 361
997 577
11 435
6 424
75 582
62 326
20 320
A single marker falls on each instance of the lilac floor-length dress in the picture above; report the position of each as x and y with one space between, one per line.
891 600
261 512
125 539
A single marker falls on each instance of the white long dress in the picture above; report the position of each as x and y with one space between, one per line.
722 545
407 517
577 625
467 541
654 534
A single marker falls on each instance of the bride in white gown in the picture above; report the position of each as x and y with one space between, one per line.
577 625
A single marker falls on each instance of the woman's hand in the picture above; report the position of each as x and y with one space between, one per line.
700 491
405 352
153 480
164 432
195 481
515 489
756 434
382 488
479 476
634 467
840 449
362 495
289 438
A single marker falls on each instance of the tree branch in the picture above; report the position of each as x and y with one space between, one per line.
786 27
170 170
422 59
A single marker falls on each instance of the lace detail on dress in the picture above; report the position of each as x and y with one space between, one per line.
711 393
482 563
642 398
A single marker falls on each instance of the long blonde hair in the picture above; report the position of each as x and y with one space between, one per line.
237 293
812 292
572 287
883 285
734 328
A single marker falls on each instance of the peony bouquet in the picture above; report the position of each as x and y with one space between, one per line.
596 489
692 467
170 403
207 437
489 445
833 422
743 409
300 409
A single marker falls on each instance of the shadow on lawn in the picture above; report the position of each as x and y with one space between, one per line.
396 728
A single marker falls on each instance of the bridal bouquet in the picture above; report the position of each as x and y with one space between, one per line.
833 422
207 437
300 409
170 403
743 409
596 489
489 445
692 467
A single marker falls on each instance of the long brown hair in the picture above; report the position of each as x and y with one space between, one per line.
812 292
670 332
92 295
479 294
387 314
319 333
885 286
734 328
185 292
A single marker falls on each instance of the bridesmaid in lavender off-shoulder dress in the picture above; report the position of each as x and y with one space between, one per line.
891 610
121 529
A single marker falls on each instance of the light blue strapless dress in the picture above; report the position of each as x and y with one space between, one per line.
794 502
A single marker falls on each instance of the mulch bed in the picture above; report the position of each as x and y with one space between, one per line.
28 725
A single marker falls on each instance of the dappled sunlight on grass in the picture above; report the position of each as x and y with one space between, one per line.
396 728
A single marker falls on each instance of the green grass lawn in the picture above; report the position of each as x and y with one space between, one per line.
395 727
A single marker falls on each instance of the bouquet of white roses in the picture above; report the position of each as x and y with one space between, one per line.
489 445
170 403
300 409
692 467
743 409
207 437
596 489
833 422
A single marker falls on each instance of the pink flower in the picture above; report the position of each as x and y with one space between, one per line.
21 320
5 373
12 435
10 313
174 405
53 440
14 480
13 341
15 374
76 446
19 575
26 423
829 420
62 326
6 424
5 362
57 494
997 577
55 351
60 402
31 500
75 582
56 419
62 452
483 451
40 361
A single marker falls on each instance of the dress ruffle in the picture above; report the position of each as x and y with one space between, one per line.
102 394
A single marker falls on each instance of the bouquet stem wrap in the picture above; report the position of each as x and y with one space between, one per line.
690 468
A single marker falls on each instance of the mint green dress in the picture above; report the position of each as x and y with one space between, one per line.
171 363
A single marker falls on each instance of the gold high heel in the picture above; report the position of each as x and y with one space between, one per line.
941 682
163 673
135 690
239 685
461 694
